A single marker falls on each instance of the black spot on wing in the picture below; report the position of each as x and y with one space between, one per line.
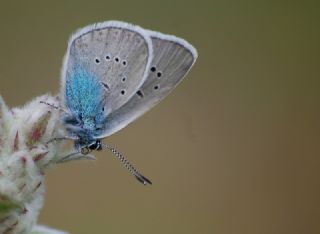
105 85
140 93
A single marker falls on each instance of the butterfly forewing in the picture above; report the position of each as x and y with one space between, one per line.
115 55
172 59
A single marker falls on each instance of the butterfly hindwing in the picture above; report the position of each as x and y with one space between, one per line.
172 59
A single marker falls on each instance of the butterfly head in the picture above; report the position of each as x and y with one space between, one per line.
95 145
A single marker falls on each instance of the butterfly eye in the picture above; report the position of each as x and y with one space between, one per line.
108 57
159 74
156 87
85 150
153 69
124 63
102 108
97 61
123 92
124 79
116 59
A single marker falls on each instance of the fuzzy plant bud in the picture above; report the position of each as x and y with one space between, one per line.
27 149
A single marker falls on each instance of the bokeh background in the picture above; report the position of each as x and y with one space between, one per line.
234 149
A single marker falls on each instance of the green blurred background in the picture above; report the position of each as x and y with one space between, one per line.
234 149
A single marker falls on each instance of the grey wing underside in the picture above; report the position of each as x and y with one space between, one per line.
172 59
116 53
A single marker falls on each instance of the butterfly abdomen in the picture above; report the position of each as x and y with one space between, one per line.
85 98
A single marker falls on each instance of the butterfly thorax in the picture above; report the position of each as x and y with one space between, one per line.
84 130
89 124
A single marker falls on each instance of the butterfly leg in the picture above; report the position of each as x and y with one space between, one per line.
53 106
72 138
76 156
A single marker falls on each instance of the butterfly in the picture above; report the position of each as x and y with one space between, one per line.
113 72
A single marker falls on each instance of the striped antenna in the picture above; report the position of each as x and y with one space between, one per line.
129 166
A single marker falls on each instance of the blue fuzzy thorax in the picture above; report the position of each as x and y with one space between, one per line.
85 101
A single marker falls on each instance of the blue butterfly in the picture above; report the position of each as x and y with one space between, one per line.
113 72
